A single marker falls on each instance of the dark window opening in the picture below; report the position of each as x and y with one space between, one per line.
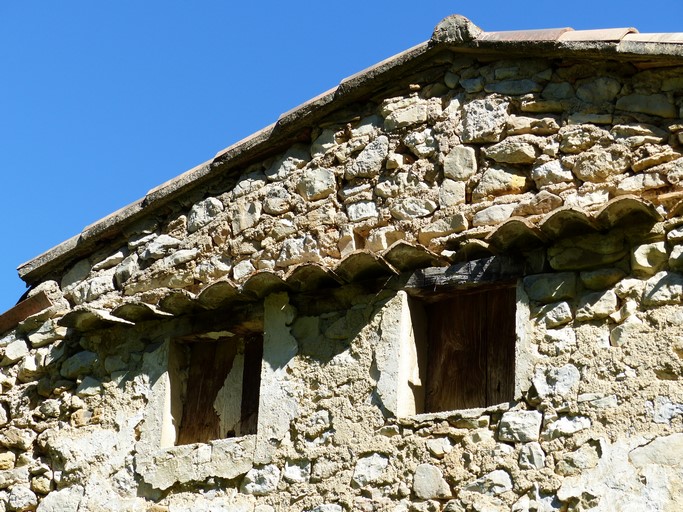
215 383
468 340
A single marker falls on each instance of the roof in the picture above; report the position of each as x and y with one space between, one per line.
454 33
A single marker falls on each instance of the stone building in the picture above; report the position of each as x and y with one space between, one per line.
452 283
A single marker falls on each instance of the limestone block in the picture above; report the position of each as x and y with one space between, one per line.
578 138
277 200
555 314
540 203
601 278
563 340
159 247
598 90
328 507
317 184
651 104
297 471
422 143
556 381
14 352
443 227
519 125
496 214
515 149
245 214
22 499
497 181
369 469
400 112
439 447
514 87
550 173
631 329
126 269
483 120
637 134
676 257
598 163
369 161
362 210
494 483
242 270
520 426
460 163
472 85
663 288
89 386
110 261
596 305
7 460
452 193
587 251
252 182
202 213
648 259
47 333
381 238
17 438
295 158
298 250
261 482
412 208
325 142
80 363
75 275
429 483
531 456
566 426
545 288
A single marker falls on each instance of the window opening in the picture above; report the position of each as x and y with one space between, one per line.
214 384
468 341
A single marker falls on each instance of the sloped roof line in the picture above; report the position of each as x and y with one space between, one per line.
454 32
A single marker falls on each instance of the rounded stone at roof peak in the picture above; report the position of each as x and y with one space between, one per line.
455 29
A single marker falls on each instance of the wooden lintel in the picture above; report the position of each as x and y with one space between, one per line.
496 271
23 310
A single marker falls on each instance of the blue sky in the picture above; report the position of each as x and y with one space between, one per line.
102 101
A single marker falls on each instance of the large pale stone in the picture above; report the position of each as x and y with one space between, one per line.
159 247
550 173
298 250
245 214
422 143
362 210
369 162
663 288
460 164
22 499
556 381
493 483
295 158
14 352
516 149
369 469
493 215
648 259
325 142
412 208
578 138
64 500
7 460
202 213
497 181
404 112
652 104
519 125
598 163
317 184
452 192
75 275
297 471
429 483
531 456
596 305
566 426
520 426
545 288
277 201
443 227
598 90
80 363
483 120
261 482
556 314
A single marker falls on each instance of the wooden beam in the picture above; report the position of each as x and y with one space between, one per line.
496 271
23 310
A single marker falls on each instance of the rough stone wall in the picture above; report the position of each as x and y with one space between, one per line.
598 418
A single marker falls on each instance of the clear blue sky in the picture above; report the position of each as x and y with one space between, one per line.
102 101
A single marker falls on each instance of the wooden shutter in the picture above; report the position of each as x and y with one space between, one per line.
471 350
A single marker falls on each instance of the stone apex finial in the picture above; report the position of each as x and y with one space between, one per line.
455 29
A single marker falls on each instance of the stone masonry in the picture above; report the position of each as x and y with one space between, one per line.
568 159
